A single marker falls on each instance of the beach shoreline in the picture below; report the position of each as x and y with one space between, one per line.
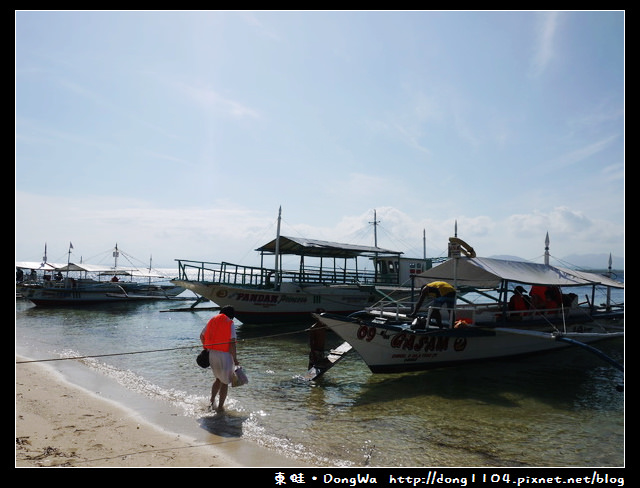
60 423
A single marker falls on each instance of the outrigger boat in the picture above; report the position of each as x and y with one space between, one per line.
332 283
50 284
392 339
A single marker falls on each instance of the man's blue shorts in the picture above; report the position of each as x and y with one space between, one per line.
447 301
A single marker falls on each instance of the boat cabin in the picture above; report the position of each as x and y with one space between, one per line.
400 270
319 262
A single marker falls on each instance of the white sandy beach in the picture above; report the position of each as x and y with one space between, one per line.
60 424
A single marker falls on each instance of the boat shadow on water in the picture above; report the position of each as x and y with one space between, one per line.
562 379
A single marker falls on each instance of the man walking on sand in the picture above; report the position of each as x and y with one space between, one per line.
219 338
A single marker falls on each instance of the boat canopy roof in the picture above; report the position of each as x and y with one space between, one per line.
136 273
89 268
316 248
38 266
489 273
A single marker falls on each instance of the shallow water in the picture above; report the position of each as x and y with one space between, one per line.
555 409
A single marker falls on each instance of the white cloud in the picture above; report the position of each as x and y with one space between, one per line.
584 152
544 51
224 232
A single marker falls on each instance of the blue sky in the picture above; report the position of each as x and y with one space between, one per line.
180 134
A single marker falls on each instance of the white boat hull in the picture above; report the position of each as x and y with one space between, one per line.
152 291
56 293
389 349
60 295
289 304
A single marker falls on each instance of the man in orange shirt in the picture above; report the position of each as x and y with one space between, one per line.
219 337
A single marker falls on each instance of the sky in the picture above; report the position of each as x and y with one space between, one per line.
180 134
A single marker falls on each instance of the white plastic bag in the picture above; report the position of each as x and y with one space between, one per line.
239 377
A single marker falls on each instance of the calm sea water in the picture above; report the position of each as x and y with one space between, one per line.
556 409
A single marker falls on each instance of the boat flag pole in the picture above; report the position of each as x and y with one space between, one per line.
546 250
115 258
610 274
375 243
69 258
424 244
375 228
277 250
456 257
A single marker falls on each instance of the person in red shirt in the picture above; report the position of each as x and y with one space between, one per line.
546 297
519 301
538 299
219 337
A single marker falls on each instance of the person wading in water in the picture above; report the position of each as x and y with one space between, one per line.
219 338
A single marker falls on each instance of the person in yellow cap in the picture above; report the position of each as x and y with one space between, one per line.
445 297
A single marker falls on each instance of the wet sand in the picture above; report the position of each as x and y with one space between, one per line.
61 424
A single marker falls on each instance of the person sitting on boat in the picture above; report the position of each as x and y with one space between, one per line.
537 294
553 298
554 294
569 300
545 297
519 301
445 297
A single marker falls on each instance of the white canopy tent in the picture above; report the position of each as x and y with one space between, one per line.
107 270
38 266
490 273
87 268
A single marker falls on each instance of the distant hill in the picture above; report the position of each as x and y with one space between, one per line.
581 261
594 261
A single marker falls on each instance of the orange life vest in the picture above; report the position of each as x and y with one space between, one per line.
217 335
538 291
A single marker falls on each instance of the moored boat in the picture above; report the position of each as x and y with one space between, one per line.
397 339
50 284
331 283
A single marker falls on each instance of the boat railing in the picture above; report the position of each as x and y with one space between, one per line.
487 312
236 274
46 283
400 307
